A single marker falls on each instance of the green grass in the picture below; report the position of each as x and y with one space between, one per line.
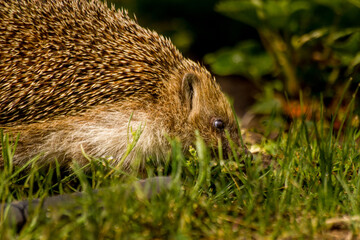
311 185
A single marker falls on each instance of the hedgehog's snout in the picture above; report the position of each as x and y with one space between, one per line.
243 151
239 149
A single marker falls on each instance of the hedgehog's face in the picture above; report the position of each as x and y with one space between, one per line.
209 111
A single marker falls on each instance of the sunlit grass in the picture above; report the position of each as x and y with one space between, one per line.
313 178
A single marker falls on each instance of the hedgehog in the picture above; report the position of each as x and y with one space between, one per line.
78 76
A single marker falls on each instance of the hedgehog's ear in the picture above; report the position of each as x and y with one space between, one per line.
187 87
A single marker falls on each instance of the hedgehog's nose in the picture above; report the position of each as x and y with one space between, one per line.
244 151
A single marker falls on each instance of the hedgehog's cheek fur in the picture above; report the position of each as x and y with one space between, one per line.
204 102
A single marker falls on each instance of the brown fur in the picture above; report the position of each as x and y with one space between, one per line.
72 72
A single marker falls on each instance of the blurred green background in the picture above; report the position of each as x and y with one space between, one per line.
279 51
195 27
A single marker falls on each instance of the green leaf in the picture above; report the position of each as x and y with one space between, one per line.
260 14
248 59
350 44
278 13
298 41
268 103
355 2
335 5
354 62
244 11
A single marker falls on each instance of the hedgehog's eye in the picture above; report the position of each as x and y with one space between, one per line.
219 124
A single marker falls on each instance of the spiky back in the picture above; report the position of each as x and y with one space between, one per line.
60 57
